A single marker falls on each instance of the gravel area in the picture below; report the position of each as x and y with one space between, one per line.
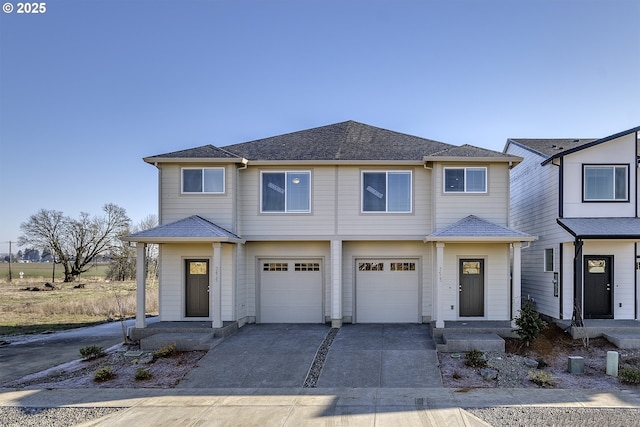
557 417
318 361
50 417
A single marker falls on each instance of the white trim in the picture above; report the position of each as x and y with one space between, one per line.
224 176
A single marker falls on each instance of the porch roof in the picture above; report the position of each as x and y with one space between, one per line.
474 229
602 228
190 229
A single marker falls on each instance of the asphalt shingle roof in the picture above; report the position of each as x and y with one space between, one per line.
476 228
551 147
193 227
602 228
346 141
341 141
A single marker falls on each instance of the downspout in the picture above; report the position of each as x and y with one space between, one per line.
577 285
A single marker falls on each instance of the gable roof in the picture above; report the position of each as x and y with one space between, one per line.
472 228
190 229
555 148
346 141
602 228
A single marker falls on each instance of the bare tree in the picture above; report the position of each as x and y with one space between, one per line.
76 243
151 251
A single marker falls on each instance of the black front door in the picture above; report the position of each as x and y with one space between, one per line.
471 288
197 291
598 287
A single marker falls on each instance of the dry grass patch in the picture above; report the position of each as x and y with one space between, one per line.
66 307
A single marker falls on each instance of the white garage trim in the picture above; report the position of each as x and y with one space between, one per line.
387 290
290 290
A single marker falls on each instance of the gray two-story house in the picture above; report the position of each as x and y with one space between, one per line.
580 197
341 223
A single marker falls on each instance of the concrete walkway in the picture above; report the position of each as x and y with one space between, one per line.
300 406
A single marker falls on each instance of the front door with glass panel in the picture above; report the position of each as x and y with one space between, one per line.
197 288
598 287
471 288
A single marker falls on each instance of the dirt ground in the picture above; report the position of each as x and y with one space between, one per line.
165 372
551 349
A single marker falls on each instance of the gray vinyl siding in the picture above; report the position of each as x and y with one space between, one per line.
492 206
351 221
319 222
534 210
175 206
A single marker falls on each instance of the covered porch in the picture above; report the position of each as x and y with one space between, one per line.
193 230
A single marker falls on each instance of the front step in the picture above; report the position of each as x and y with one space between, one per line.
626 340
190 341
454 342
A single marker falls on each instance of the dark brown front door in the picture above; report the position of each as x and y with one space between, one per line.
598 287
471 288
197 291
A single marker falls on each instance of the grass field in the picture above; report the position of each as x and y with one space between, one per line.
44 270
23 311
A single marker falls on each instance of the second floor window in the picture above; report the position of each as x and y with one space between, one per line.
203 180
286 192
386 191
465 180
605 183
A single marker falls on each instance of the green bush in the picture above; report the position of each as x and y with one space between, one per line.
142 374
629 376
529 324
475 359
90 352
542 378
166 351
104 374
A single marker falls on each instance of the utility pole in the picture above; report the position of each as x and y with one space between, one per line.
9 261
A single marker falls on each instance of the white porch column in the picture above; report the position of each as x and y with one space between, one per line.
437 309
516 283
141 278
215 286
336 283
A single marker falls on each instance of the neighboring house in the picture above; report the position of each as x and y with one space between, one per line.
580 197
341 223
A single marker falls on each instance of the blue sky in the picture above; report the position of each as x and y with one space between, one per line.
90 87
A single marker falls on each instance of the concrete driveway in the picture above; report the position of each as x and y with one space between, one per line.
280 355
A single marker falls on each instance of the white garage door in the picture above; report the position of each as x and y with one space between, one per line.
387 291
290 291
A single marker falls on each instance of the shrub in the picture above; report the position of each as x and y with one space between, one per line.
475 359
90 352
104 374
166 351
529 323
542 378
629 376
142 374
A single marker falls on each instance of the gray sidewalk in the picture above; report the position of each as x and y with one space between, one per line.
321 406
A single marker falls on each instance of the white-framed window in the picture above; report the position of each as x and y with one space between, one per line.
285 192
465 180
387 191
548 260
605 183
203 180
